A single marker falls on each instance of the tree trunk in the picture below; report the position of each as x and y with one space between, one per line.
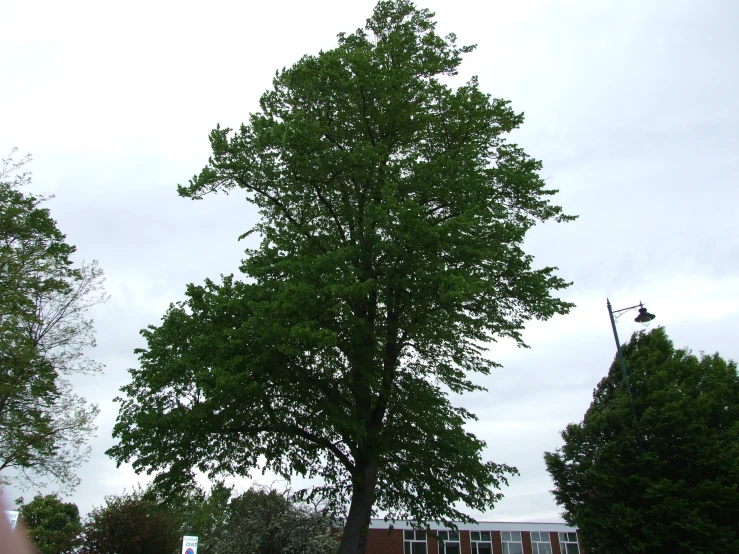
354 539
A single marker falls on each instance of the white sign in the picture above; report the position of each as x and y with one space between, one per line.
189 545
13 518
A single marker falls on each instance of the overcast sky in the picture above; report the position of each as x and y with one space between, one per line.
632 106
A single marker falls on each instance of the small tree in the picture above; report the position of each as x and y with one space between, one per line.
204 514
667 480
199 512
269 522
393 216
259 521
44 336
131 524
53 526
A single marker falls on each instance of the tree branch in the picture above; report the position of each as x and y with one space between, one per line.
297 431
290 217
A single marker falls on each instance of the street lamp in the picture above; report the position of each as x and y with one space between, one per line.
645 318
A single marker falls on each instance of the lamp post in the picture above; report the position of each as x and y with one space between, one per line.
645 318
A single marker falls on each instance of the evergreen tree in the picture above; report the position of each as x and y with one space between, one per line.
667 480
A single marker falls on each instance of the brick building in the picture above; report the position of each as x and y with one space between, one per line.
485 537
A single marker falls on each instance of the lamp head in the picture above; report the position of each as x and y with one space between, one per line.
644 317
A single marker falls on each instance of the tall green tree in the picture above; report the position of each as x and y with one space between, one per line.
393 213
53 525
44 337
666 480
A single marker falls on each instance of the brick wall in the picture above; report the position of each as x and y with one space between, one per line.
526 540
432 544
555 542
464 542
384 541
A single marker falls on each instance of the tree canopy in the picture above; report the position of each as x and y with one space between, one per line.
270 522
44 337
393 213
667 480
53 525
202 514
132 523
258 521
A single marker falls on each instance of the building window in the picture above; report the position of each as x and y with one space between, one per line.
481 542
512 542
540 543
414 542
568 543
448 542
